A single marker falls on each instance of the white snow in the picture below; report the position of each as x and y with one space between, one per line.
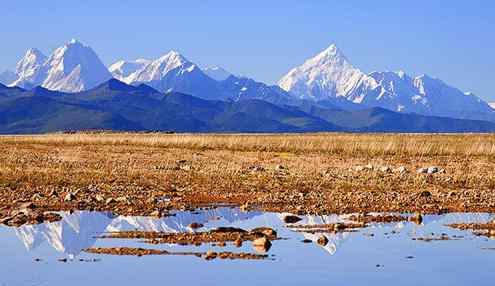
330 75
216 73
70 68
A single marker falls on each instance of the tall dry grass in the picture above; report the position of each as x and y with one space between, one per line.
330 143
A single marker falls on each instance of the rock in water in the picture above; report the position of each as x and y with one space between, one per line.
262 244
291 219
322 240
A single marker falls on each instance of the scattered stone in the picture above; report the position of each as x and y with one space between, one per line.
262 242
156 213
432 170
322 240
210 254
256 169
359 168
36 197
417 218
292 219
238 242
69 197
422 170
339 226
28 205
195 225
385 169
266 231
401 170
425 194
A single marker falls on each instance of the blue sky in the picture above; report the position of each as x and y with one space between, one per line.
452 40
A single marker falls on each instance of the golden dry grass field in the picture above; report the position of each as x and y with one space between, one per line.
299 173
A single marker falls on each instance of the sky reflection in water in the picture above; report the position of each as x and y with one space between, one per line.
349 258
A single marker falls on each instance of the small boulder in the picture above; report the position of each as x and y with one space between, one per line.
322 240
422 171
238 242
195 225
210 254
425 194
359 168
266 231
385 169
69 197
432 170
262 244
417 218
292 219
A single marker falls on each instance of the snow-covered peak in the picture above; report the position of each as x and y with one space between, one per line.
159 68
332 53
31 61
74 42
328 74
74 67
216 73
122 70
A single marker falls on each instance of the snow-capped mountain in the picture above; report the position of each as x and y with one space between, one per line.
217 73
330 75
70 68
80 230
30 70
172 72
122 70
241 88
7 77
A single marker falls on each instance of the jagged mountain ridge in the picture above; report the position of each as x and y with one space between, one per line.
328 79
330 75
119 106
73 67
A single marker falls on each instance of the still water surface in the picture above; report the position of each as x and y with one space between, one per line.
350 258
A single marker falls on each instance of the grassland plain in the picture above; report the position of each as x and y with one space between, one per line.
153 173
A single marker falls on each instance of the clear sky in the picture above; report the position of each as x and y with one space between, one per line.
453 40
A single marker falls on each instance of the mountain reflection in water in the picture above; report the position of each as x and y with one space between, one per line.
79 230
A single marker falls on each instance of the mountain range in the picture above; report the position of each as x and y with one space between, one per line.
116 105
72 89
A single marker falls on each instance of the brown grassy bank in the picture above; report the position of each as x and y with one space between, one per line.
310 173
